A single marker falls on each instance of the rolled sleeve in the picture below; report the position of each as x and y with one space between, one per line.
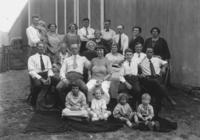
63 70
121 76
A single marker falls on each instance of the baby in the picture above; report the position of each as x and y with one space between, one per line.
98 106
123 111
145 113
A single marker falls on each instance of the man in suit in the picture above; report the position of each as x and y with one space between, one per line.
136 30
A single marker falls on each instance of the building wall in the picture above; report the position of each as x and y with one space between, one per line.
178 20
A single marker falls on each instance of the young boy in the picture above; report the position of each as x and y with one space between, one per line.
75 103
145 113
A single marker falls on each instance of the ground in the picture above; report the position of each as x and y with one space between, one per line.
15 114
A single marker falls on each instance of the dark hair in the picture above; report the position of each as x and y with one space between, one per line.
70 25
51 25
108 20
155 28
121 95
139 28
86 19
35 17
74 84
128 50
100 47
137 43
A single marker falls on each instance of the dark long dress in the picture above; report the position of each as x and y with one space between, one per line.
160 47
133 42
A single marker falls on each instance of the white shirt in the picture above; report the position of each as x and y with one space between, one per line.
34 65
127 69
63 57
82 33
138 57
67 66
108 35
33 36
157 63
124 41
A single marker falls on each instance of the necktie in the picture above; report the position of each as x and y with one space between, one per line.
74 62
42 63
129 62
138 55
153 73
119 43
86 29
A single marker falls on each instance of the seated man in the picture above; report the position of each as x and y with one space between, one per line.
152 70
128 77
72 70
75 103
40 71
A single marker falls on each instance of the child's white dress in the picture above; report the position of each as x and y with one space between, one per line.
99 109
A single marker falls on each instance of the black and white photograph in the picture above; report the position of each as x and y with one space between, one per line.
99 70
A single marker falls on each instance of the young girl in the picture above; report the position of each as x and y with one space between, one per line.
145 112
98 106
75 103
123 111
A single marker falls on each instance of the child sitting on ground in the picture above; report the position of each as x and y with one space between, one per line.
123 111
98 106
75 104
145 113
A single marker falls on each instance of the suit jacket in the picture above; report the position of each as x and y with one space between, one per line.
133 42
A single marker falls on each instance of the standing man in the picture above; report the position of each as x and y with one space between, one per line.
33 35
128 77
108 34
72 70
86 33
136 30
151 78
40 71
121 39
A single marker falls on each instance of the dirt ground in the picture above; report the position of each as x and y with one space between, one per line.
15 114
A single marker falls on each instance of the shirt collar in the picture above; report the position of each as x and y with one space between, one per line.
155 39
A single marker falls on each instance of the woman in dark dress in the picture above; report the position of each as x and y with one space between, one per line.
158 43
136 37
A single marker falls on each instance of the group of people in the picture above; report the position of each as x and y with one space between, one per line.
81 68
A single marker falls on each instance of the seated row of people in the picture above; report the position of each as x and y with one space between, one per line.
100 71
76 106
